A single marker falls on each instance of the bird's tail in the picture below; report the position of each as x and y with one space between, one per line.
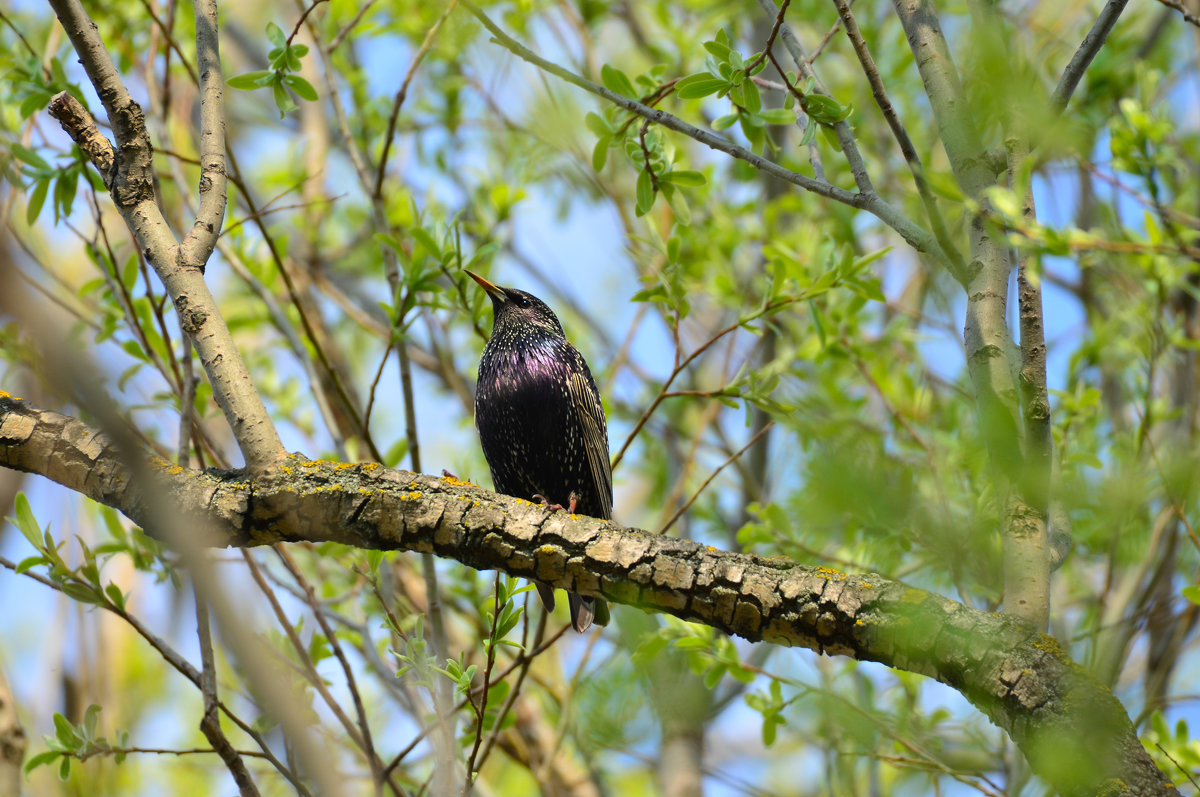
585 610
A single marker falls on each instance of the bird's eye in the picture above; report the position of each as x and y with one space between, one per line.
520 301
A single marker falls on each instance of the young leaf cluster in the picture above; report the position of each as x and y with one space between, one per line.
282 78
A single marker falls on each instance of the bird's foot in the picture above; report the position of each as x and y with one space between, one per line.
572 502
541 499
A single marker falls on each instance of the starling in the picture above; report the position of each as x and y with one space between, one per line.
541 422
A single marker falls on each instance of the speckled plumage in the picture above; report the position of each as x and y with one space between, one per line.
541 422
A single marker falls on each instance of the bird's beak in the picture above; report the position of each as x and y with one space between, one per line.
496 292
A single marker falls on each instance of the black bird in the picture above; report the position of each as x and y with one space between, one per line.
541 422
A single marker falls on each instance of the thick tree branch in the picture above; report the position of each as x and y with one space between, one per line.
198 245
1075 733
986 336
130 180
1028 556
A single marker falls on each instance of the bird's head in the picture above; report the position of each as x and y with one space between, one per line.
517 310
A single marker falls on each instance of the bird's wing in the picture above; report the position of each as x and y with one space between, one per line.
595 437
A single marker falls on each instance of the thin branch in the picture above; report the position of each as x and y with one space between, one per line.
4 18
364 726
402 93
303 16
481 706
1031 586
210 723
845 135
920 239
1188 16
680 365
184 668
750 67
879 92
732 457
1088 48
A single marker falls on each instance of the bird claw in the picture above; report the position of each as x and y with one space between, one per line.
570 509
541 499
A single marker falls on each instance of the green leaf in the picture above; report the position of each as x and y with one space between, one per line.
31 561
777 116
810 132
41 759
396 453
719 49
753 100
867 288
27 523
645 193
699 85
597 124
600 153
1086 458
129 274
737 95
374 559
90 717
115 596
36 200
283 100
826 110
275 35
722 122
80 592
426 240
617 81
684 177
24 153
64 192
34 103
65 732
251 80
656 293
678 203
302 87
1192 593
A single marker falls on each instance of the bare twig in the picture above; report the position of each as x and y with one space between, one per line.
687 504
1088 48
402 93
303 16
750 67
680 365
210 723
